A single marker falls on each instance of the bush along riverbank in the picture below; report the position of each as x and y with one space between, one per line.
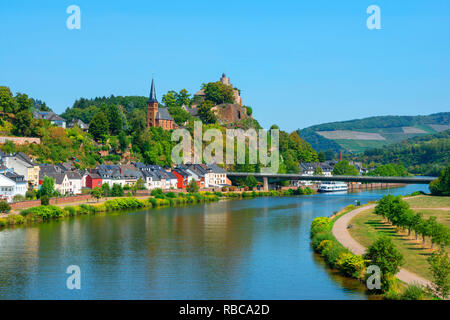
49 212
381 253
158 199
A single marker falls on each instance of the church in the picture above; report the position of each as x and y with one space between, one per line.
158 117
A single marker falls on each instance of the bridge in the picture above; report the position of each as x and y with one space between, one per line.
365 179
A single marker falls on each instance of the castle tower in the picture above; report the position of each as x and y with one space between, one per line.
152 107
225 80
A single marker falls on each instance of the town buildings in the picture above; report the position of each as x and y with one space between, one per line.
23 165
50 116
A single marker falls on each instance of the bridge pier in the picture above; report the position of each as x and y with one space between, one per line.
266 184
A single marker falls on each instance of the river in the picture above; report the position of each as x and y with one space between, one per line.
238 249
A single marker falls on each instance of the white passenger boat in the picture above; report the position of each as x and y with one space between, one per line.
333 186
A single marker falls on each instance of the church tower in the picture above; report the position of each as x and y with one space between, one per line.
152 107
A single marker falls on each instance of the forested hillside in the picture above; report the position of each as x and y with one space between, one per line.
118 132
356 136
426 155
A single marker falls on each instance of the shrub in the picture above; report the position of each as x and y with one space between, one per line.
3 222
71 211
192 186
171 195
157 191
153 202
43 213
351 265
320 224
332 254
45 200
319 237
4 207
30 195
14 219
413 292
18 198
123 203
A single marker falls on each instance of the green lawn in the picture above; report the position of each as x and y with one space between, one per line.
429 202
367 227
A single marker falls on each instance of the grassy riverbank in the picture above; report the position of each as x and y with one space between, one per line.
50 212
365 230
367 226
335 254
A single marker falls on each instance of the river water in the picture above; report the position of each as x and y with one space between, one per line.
239 249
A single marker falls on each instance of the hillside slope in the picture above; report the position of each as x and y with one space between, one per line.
358 135
426 155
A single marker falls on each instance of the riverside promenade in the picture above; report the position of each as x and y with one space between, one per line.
342 235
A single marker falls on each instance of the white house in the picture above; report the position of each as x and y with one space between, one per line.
62 183
7 188
74 181
218 177
20 182
23 165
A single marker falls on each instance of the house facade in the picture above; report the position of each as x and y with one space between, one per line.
23 165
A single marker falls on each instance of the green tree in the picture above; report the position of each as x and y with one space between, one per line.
117 190
106 190
140 184
114 119
137 120
205 113
441 186
99 126
179 115
123 141
47 187
23 123
321 156
343 168
7 102
318 171
383 254
169 99
4 207
440 270
97 193
251 182
9 147
192 186
218 93
24 103
45 200
183 97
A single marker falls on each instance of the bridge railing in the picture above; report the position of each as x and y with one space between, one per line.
368 179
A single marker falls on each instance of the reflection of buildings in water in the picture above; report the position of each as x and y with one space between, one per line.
32 235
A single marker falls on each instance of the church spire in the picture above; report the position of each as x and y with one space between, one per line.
152 97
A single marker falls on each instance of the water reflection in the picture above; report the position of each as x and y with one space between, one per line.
251 249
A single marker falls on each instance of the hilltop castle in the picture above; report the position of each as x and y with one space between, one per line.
158 117
226 81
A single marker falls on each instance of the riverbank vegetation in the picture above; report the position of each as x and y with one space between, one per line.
386 250
403 221
441 186
416 225
158 199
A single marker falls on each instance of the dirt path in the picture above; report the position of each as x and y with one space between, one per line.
343 236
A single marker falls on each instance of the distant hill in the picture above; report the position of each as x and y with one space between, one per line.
356 136
426 155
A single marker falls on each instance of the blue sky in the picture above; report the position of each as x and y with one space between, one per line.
297 63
